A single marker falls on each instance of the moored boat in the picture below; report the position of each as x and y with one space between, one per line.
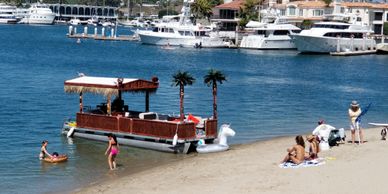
142 129
272 33
37 14
7 14
182 33
337 33
382 48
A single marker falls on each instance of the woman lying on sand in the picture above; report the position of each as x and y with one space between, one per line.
296 153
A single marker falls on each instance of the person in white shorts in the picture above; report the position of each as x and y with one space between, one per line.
354 112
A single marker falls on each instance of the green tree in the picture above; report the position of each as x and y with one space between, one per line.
306 24
249 11
182 79
385 28
214 3
327 2
211 79
201 9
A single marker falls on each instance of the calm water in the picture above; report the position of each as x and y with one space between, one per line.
268 94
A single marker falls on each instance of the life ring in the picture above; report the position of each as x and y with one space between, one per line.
61 158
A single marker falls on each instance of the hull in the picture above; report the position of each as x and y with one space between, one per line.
312 44
41 19
184 41
260 42
382 48
8 21
152 143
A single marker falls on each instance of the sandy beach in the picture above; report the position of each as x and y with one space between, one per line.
253 168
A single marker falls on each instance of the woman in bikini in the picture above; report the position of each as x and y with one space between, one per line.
43 151
296 153
113 150
314 147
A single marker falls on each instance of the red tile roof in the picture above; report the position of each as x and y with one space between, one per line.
235 5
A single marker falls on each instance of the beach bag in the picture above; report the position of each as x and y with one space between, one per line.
334 137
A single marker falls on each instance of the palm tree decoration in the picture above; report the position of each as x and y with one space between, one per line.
211 78
182 79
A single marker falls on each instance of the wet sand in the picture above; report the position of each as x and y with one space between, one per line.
253 168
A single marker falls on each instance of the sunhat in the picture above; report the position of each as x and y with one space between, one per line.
354 104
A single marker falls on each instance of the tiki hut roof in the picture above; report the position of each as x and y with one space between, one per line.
109 86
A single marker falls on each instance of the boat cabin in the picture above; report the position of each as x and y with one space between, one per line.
114 116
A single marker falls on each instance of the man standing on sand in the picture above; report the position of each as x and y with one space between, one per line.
354 112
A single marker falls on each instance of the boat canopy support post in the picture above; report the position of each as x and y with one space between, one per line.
80 102
147 101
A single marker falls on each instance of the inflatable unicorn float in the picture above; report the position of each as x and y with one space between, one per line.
222 145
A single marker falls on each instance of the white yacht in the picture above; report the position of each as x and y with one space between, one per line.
337 33
271 33
37 14
7 14
181 33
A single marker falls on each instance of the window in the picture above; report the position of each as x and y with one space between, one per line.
317 12
281 32
227 14
291 11
378 16
300 12
260 32
282 12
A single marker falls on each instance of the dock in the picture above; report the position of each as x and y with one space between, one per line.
107 38
353 53
110 36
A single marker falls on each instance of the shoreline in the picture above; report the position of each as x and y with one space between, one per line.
253 167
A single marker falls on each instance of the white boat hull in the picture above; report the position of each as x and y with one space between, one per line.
315 44
129 140
147 37
382 48
260 42
8 21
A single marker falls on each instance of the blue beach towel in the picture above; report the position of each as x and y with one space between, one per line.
306 163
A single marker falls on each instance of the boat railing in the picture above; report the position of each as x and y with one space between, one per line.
144 127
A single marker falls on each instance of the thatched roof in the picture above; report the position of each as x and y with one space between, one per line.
109 86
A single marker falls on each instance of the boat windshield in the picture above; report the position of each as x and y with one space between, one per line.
333 26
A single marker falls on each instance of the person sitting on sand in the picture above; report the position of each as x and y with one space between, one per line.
296 153
43 151
314 147
322 131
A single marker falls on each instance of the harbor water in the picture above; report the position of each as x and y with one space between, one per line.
268 94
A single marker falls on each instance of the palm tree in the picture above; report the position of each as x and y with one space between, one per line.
211 78
201 9
182 79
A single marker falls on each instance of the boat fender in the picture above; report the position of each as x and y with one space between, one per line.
71 131
175 139
201 142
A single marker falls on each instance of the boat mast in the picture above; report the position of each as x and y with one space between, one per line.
185 15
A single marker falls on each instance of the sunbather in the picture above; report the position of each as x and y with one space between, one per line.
314 147
296 153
